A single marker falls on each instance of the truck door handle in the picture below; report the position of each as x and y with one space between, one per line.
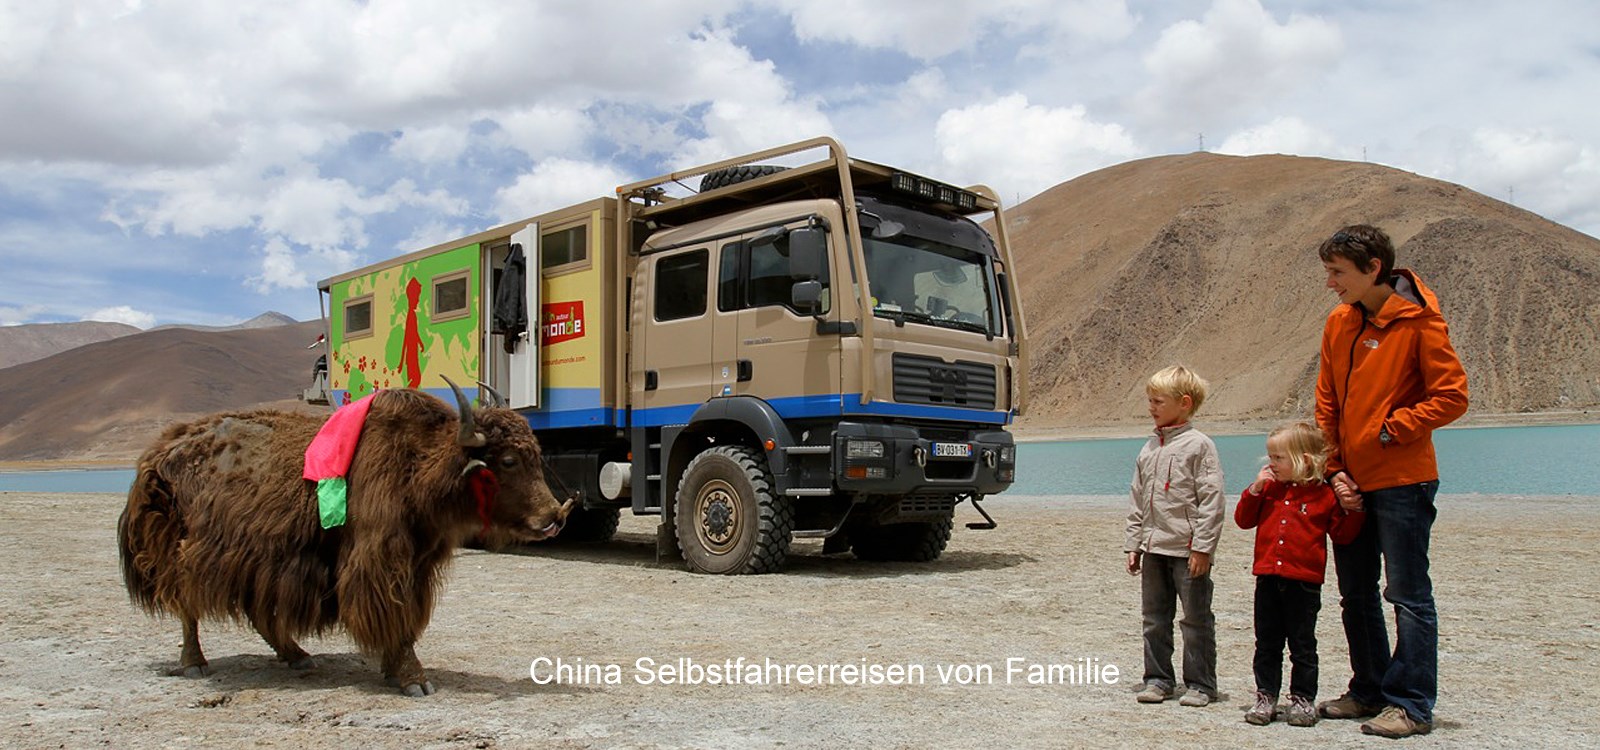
747 370
650 380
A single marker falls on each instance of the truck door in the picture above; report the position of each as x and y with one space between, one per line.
777 352
673 335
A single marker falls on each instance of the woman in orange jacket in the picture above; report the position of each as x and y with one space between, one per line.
1389 377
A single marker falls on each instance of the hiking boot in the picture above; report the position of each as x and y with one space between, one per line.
1153 693
1347 707
1395 723
1195 698
1301 712
1262 712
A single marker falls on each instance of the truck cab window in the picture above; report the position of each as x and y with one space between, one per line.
681 285
757 275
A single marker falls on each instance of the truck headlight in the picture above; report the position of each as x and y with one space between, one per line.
863 449
1008 454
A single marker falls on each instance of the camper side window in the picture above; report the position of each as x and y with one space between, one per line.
450 296
358 317
680 285
564 247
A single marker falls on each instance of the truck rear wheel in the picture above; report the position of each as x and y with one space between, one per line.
589 525
918 541
728 519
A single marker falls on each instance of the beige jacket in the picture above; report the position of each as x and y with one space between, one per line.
1176 501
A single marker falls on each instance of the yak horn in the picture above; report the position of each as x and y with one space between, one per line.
469 437
495 399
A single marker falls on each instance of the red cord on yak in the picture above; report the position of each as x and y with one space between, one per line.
484 487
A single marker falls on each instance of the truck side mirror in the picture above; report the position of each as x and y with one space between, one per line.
806 296
808 250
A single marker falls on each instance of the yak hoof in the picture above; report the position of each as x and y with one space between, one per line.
415 690
303 663
193 671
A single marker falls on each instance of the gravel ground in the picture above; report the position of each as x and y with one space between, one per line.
81 667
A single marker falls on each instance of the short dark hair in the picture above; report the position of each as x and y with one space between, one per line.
1361 244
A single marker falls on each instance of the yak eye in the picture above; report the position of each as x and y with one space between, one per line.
509 461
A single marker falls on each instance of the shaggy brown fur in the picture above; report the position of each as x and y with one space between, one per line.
220 524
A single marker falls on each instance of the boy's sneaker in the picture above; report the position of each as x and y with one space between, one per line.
1195 698
1262 712
1301 712
1395 723
1347 707
1152 693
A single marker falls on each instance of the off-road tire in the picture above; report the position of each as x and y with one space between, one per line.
918 541
735 175
586 525
727 518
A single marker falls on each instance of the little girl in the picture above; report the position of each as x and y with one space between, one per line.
1293 513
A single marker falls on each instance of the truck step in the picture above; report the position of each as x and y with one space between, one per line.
808 491
796 450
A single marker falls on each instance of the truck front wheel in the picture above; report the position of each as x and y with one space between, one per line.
728 519
918 541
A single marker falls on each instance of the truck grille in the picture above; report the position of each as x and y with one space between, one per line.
930 380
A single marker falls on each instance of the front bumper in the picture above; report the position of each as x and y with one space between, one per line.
915 459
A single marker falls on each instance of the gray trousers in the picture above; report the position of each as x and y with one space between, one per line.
1166 581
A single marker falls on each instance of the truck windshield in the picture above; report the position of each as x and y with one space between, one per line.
932 283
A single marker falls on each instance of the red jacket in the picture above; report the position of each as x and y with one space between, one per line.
1292 523
1394 370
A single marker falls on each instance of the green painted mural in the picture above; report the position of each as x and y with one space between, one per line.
407 325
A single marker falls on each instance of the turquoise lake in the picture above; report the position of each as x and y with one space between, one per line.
1545 460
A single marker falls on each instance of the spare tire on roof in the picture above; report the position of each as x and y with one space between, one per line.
734 175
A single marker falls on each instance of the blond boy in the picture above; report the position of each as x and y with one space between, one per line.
1174 522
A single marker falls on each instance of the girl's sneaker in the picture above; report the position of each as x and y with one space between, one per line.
1301 712
1262 712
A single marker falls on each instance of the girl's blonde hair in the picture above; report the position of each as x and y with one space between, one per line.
1307 449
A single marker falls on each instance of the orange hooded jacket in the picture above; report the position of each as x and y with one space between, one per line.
1397 370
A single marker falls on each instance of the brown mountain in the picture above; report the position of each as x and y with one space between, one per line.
1210 261
26 343
107 400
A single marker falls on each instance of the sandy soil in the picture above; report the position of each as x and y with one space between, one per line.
81 667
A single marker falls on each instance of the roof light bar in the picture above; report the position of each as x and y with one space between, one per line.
933 192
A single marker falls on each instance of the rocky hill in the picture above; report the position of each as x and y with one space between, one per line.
107 400
26 343
1210 261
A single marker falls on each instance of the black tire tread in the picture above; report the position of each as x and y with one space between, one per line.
774 513
917 541
720 178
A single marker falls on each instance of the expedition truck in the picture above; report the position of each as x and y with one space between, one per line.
829 349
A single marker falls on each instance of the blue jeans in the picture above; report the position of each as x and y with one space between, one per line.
1399 521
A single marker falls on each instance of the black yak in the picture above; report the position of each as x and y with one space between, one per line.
220 523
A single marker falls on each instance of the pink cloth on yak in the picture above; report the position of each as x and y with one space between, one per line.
328 459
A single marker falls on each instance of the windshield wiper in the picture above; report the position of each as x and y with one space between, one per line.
901 316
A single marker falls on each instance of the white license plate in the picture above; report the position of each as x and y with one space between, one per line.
952 450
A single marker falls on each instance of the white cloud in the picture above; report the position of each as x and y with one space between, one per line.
122 314
1283 135
1020 149
279 269
1235 57
432 144
553 184
13 315
910 27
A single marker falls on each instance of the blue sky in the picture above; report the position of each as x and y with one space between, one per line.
183 161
